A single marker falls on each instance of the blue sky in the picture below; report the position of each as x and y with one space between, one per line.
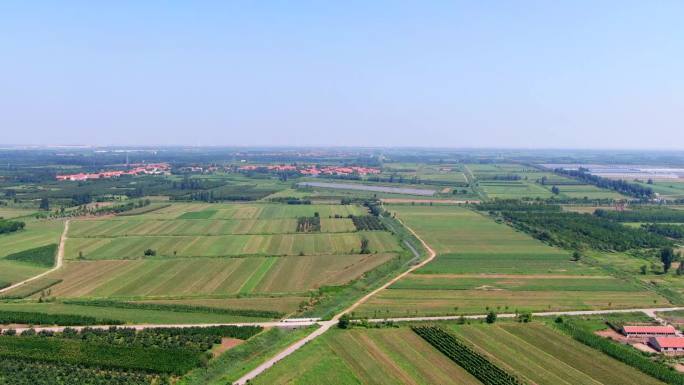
572 74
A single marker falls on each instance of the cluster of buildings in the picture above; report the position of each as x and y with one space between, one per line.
664 339
315 170
137 169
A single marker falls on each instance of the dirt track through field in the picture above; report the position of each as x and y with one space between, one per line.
58 264
328 324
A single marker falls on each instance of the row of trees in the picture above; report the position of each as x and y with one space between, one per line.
475 363
574 230
642 215
621 186
665 229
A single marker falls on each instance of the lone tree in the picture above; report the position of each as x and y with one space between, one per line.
491 317
667 255
150 253
364 246
45 204
343 322
555 190
576 256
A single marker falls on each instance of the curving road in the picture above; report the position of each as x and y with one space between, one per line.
58 263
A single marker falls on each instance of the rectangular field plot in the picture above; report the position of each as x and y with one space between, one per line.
137 316
210 276
543 356
588 191
128 227
9 213
461 232
367 356
229 245
282 304
514 190
249 211
36 233
512 283
404 302
484 265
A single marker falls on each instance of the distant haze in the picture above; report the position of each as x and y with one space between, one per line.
572 74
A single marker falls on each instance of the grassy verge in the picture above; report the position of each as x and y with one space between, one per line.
238 361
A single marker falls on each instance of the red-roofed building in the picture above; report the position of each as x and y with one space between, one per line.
649 331
667 344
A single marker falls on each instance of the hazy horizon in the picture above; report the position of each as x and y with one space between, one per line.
459 75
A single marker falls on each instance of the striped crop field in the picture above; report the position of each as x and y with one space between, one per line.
229 245
210 276
251 211
367 356
542 356
115 227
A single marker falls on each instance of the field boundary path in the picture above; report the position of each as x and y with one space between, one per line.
58 263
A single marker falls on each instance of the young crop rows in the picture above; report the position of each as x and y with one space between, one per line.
477 365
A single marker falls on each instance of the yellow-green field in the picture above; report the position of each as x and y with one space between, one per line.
229 245
210 276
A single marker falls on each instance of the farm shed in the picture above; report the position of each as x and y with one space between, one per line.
667 344
649 331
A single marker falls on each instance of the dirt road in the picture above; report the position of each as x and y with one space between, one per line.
58 264
328 324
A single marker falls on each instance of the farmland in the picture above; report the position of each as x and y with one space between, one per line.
223 243
543 356
210 276
223 230
227 245
482 264
224 256
515 181
358 356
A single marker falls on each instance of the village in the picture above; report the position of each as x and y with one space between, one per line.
138 169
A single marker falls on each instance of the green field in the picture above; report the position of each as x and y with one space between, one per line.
543 356
9 212
482 265
36 233
367 356
667 189
12 272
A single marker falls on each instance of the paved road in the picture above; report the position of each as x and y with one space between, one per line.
58 264
651 312
268 324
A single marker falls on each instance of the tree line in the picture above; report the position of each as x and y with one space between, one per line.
619 185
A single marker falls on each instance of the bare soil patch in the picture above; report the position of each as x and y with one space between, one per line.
226 344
